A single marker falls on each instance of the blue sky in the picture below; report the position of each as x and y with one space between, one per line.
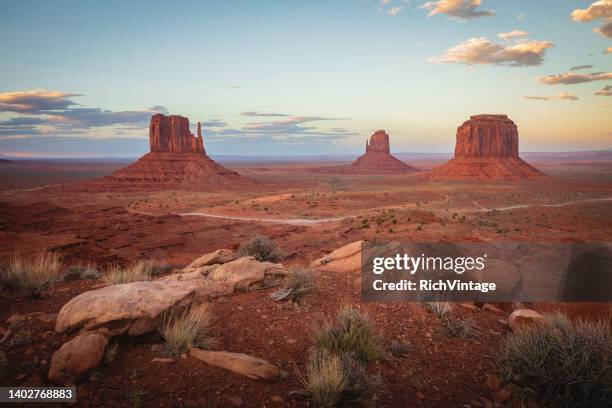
288 77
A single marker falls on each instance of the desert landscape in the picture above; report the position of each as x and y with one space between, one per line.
377 203
169 217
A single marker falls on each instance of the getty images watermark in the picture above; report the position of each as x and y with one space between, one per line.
486 272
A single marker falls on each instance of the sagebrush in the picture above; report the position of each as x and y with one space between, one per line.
33 275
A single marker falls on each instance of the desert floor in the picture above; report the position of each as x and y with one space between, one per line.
45 206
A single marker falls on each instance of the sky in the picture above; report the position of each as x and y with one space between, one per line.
82 78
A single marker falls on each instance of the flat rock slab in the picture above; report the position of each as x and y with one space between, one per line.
239 363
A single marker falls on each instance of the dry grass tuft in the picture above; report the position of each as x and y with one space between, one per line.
133 273
565 363
261 248
326 379
155 267
31 276
350 333
189 328
82 271
298 283
440 308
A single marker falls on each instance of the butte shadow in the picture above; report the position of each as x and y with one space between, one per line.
486 149
376 160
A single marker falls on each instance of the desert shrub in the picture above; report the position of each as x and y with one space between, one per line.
458 327
326 378
133 273
87 271
261 248
440 307
155 267
31 276
350 333
189 328
299 282
567 364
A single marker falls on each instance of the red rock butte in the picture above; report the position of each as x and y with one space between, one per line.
176 158
377 159
486 149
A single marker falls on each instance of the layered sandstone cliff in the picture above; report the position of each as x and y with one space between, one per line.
176 158
486 149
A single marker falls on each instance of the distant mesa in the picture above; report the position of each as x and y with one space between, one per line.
486 149
376 160
177 157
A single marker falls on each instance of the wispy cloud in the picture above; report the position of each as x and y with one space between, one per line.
457 9
569 78
579 67
482 51
214 123
53 112
606 91
263 114
598 10
562 96
514 34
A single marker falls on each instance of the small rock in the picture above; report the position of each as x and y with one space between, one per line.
236 401
239 363
291 341
487 307
77 357
163 360
277 398
47 317
493 382
523 317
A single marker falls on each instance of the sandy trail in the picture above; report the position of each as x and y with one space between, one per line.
309 222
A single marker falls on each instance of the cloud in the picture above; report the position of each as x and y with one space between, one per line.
605 30
562 96
578 67
457 9
511 35
393 11
52 112
263 114
482 51
606 91
569 78
214 123
35 101
597 10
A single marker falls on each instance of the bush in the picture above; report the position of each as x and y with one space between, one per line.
133 273
32 276
567 364
326 379
457 327
299 282
261 248
154 267
88 271
189 328
351 333
440 308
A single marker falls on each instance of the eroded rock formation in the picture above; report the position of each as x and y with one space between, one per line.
376 160
176 157
486 148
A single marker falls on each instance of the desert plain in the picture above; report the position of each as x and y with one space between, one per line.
53 206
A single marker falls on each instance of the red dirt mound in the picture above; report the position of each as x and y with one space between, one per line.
486 149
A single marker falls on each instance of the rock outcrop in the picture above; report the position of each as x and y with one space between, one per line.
135 308
486 149
176 158
376 160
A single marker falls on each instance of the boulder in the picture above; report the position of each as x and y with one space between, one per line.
136 308
77 357
220 256
523 317
240 363
343 259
